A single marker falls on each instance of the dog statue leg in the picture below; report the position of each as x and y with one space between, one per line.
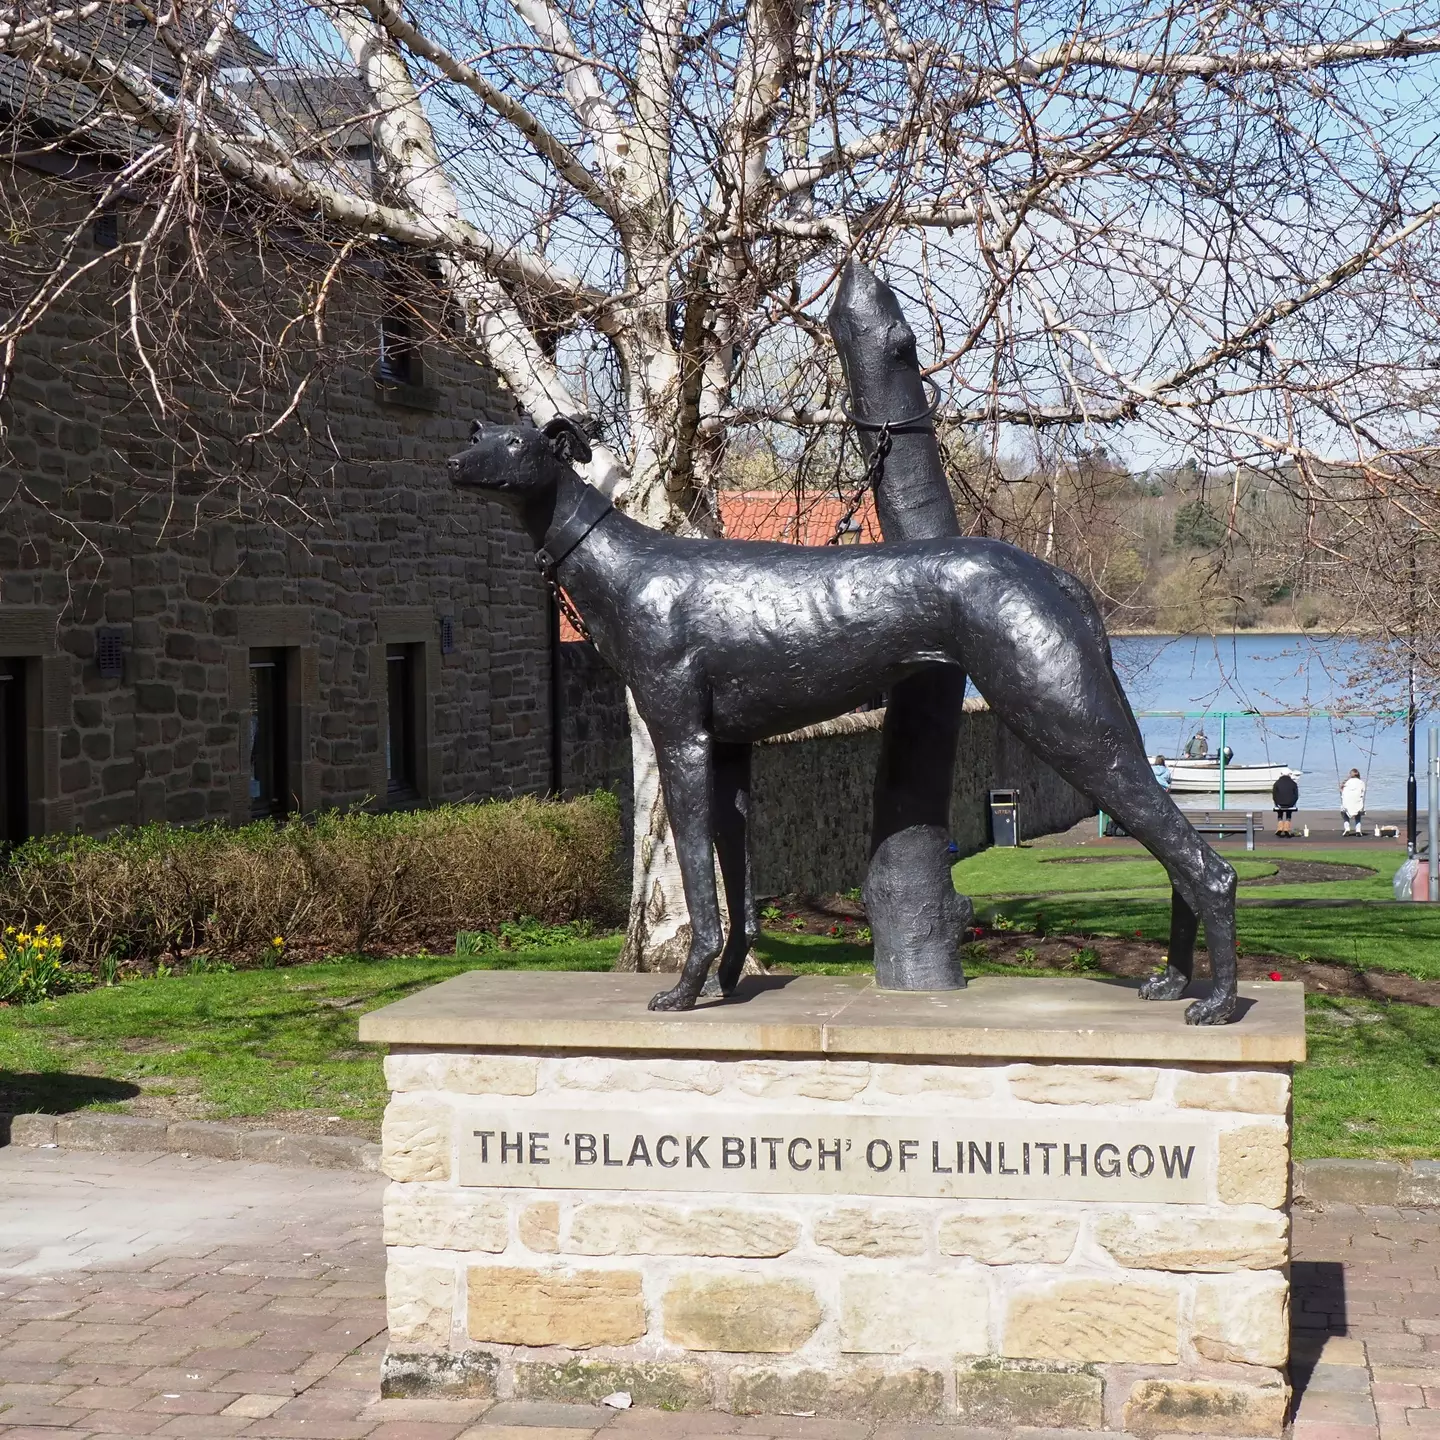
687 779
1218 890
1095 746
1180 959
732 808
1204 886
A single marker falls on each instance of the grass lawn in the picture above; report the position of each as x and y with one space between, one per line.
254 1042
1123 896
262 1042
258 1042
1371 1087
1033 870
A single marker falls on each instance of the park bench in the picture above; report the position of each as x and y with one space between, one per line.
1234 825
1205 825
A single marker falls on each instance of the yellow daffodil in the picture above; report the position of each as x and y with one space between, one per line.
278 941
39 929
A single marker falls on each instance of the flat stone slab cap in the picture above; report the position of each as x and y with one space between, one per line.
996 1016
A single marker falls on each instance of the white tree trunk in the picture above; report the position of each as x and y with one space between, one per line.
658 934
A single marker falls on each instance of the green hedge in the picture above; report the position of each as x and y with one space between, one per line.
341 882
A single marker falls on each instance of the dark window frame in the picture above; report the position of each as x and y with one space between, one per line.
402 728
399 362
105 230
14 750
268 742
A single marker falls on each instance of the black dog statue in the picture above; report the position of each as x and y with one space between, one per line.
725 642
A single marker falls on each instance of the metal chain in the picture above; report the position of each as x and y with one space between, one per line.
874 473
567 608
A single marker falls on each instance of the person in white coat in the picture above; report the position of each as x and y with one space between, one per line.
1352 803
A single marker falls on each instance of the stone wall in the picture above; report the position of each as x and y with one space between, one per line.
812 799
340 537
1108 1314
594 724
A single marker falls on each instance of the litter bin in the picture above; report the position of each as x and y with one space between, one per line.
1005 817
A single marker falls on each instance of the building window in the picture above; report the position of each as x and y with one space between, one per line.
14 753
399 353
401 750
269 740
105 231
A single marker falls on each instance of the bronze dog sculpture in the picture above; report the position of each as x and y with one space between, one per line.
726 642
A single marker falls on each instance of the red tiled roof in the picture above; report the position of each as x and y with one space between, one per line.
799 519
784 515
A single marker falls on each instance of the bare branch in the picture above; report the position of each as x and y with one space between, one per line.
549 147
592 106
1283 59
13 29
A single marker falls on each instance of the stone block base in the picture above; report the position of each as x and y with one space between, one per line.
1000 1243
996 1395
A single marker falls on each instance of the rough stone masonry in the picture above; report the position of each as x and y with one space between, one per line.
529 1258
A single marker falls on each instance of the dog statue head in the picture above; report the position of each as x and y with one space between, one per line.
520 462
876 347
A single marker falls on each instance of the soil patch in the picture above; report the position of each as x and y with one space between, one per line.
1311 872
1133 959
838 916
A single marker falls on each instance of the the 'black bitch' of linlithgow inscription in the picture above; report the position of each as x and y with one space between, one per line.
862 1154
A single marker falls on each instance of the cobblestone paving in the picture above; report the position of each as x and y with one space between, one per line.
163 1295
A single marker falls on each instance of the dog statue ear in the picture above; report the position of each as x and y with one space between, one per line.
567 438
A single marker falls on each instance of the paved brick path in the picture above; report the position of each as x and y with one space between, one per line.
159 1295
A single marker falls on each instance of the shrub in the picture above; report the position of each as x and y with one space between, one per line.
340 881
527 933
1189 601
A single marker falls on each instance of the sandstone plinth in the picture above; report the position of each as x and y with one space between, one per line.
997 1207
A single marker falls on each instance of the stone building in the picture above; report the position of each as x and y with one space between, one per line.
234 579
195 627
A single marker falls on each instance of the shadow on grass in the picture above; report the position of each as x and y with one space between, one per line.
57 1093
813 954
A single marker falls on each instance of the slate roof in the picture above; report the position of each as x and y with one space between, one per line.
322 115
66 109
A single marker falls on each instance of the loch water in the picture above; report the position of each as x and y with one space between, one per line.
1267 673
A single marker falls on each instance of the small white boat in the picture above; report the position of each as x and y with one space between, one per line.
1192 777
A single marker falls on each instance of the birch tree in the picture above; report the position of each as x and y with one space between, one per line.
1195 227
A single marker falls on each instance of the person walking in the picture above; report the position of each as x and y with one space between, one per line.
1161 772
1352 803
1285 796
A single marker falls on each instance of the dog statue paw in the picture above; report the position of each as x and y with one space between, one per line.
1213 1010
678 998
1169 985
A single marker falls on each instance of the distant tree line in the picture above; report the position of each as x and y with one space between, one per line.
1176 549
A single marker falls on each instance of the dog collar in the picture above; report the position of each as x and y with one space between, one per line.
563 536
